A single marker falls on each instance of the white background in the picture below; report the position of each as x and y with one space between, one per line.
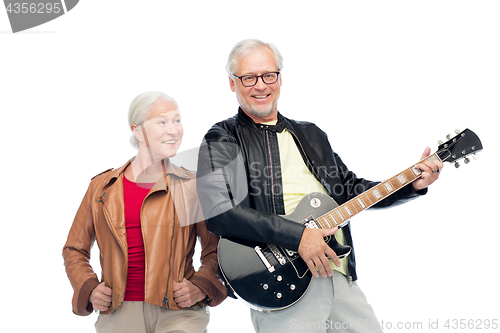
384 79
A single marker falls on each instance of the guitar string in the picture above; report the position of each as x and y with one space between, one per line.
324 220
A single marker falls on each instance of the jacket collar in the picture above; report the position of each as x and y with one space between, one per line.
170 170
279 127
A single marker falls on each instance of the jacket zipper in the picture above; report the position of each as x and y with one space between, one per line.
165 299
144 243
272 171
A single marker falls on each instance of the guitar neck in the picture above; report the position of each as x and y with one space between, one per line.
339 216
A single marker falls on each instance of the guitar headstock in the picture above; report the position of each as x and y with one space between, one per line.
462 145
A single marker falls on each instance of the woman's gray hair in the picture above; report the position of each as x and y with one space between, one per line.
138 110
246 47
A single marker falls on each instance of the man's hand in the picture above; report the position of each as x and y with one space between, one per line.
315 252
430 171
186 294
101 297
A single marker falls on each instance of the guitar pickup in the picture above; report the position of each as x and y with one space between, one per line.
277 254
262 257
310 223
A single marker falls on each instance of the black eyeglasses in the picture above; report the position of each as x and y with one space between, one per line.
251 80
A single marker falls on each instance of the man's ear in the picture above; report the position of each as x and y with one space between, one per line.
232 84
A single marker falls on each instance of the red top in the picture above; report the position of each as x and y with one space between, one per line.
134 194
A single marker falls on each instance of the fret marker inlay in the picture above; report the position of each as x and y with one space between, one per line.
401 179
361 203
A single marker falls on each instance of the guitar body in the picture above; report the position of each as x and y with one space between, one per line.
269 277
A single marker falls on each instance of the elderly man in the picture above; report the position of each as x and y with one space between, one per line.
283 161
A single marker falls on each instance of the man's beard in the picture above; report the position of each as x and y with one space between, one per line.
258 112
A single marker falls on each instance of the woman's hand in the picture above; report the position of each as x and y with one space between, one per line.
186 294
101 297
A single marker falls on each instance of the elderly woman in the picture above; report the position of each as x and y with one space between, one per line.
146 218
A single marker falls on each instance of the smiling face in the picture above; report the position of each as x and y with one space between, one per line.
259 102
162 131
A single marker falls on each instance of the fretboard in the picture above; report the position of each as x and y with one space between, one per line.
340 215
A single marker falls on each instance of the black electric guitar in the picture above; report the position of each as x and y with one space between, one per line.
268 277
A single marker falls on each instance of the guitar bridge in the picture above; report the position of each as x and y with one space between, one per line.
262 257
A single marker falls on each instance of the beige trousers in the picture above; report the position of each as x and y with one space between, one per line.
140 317
331 304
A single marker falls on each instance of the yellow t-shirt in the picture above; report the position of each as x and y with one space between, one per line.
298 181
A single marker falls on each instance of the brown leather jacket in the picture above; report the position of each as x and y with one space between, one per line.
169 247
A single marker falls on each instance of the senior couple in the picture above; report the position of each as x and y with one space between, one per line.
147 215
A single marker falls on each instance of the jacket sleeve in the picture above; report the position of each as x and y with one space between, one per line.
223 192
76 255
206 278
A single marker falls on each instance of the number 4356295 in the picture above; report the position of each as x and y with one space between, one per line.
477 324
34 8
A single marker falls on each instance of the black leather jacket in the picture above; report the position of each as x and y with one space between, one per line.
240 187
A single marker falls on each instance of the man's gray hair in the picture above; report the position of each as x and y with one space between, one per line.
246 47
138 110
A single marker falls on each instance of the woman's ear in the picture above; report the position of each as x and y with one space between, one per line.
136 131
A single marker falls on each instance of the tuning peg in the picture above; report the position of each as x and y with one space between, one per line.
457 165
448 136
466 160
440 142
457 131
476 156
